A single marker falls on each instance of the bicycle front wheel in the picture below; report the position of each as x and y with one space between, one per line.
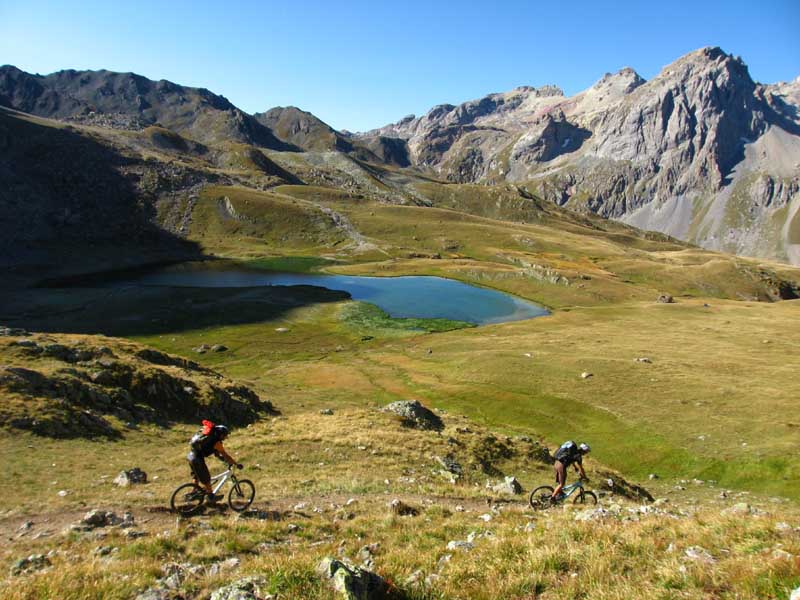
241 495
585 498
540 497
187 499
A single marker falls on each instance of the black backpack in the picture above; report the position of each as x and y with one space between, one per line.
567 452
204 443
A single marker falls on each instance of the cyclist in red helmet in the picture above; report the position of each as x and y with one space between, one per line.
204 444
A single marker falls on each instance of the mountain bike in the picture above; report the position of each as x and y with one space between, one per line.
542 497
190 497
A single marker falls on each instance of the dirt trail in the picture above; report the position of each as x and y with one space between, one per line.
156 517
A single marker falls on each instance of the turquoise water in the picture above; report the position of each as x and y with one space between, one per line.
417 297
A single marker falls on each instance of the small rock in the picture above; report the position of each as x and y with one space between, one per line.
530 526
508 486
665 299
104 550
225 565
586 375
593 514
795 595
155 594
643 359
131 477
26 526
740 508
34 562
63 493
326 411
486 517
281 329
202 349
782 527
433 578
779 554
699 554
292 528
414 579
652 476
460 545
218 348
400 508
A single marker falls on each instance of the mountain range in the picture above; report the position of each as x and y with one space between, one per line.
701 152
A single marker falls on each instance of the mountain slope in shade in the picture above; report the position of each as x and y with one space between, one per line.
700 152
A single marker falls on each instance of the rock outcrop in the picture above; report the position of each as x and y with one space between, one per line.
71 386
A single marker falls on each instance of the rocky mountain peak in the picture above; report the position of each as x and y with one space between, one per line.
623 81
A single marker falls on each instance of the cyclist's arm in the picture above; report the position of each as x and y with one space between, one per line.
579 465
224 454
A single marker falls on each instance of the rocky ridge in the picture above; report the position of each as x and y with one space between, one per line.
701 152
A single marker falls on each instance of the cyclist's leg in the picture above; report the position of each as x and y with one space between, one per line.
200 471
561 478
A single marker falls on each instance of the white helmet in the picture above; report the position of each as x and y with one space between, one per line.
584 448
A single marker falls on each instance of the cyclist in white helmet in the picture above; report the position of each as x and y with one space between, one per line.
568 454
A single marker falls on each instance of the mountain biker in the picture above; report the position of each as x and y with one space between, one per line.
568 454
204 444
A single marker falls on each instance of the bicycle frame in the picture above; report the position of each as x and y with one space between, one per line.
222 478
568 490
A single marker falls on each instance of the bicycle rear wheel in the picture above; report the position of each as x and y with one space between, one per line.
241 495
540 497
585 498
187 499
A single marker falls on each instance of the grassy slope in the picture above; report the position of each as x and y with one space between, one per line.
304 457
712 375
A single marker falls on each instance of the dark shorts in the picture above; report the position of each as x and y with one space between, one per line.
561 472
199 468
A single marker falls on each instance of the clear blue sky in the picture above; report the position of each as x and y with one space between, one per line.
362 64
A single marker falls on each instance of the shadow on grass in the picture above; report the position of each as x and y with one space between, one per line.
128 311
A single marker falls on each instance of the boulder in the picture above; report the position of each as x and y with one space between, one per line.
351 582
450 465
248 588
665 299
509 485
218 348
131 477
618 485
415 415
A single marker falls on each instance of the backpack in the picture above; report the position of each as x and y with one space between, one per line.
567 452
201 438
